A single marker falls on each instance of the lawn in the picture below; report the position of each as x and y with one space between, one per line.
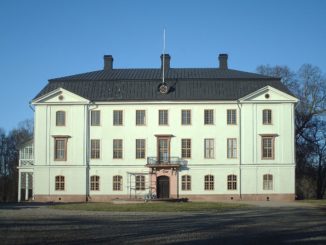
320 202
153 207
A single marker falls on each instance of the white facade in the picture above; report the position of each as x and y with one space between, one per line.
249 166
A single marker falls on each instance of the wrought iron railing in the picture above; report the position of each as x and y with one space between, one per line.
155 161
26 162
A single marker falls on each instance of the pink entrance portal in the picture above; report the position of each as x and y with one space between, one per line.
164 183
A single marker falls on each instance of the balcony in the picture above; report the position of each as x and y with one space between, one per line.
166 162
26 162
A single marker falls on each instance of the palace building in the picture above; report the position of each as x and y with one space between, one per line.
198 133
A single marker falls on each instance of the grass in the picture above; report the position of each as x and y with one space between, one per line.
153 207
319 202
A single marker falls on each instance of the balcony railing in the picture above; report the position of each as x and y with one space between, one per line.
26 162
169 161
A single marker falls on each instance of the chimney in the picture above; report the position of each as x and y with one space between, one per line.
223 58
167 59
108 62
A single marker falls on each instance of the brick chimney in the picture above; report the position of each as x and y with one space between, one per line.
167 59
223 59
108 62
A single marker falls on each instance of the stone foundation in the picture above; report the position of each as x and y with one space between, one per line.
59 198
244 197
203 198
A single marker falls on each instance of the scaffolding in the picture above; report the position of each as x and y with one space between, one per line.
131 185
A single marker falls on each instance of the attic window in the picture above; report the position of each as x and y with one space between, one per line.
267 96
61 97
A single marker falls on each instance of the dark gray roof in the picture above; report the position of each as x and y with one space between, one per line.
184 84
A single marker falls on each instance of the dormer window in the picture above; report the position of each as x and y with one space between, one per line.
267 116
60 118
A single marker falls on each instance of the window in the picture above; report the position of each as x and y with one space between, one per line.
209 182
208 117
140 183
59 183
267 116
95 118
209 148
186 182
186 148
186 117
60 149
117 118
117 183
117 149
231 116
140 117
60 118
267 182
163 117
95 183
95 149
27 153
232 182
140 148
231 148
268 147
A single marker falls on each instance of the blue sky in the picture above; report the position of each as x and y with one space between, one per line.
40 40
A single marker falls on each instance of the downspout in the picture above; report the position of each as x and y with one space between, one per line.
240 150
87 197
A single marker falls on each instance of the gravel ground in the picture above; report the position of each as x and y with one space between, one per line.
272 223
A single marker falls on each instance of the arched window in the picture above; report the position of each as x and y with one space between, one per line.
60 118
186 182
267 182
117 183
59 183
95 183
267 116
209 182
232 182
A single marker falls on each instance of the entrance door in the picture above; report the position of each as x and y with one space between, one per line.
163 150
163 187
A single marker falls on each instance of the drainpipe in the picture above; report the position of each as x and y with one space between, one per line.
240 150
87 126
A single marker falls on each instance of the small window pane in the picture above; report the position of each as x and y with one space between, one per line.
268 147
60 118
95 149
59 183
231 148
186 183
117 149
140 182
140 117
117 118
209 182
186 117
95 118
209 148
140 148
267 116
209 117
232 182
186 148
268 182
60 148
117 183
95 183
231 116
163 117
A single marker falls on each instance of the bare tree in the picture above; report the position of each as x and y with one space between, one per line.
309 86
9 157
